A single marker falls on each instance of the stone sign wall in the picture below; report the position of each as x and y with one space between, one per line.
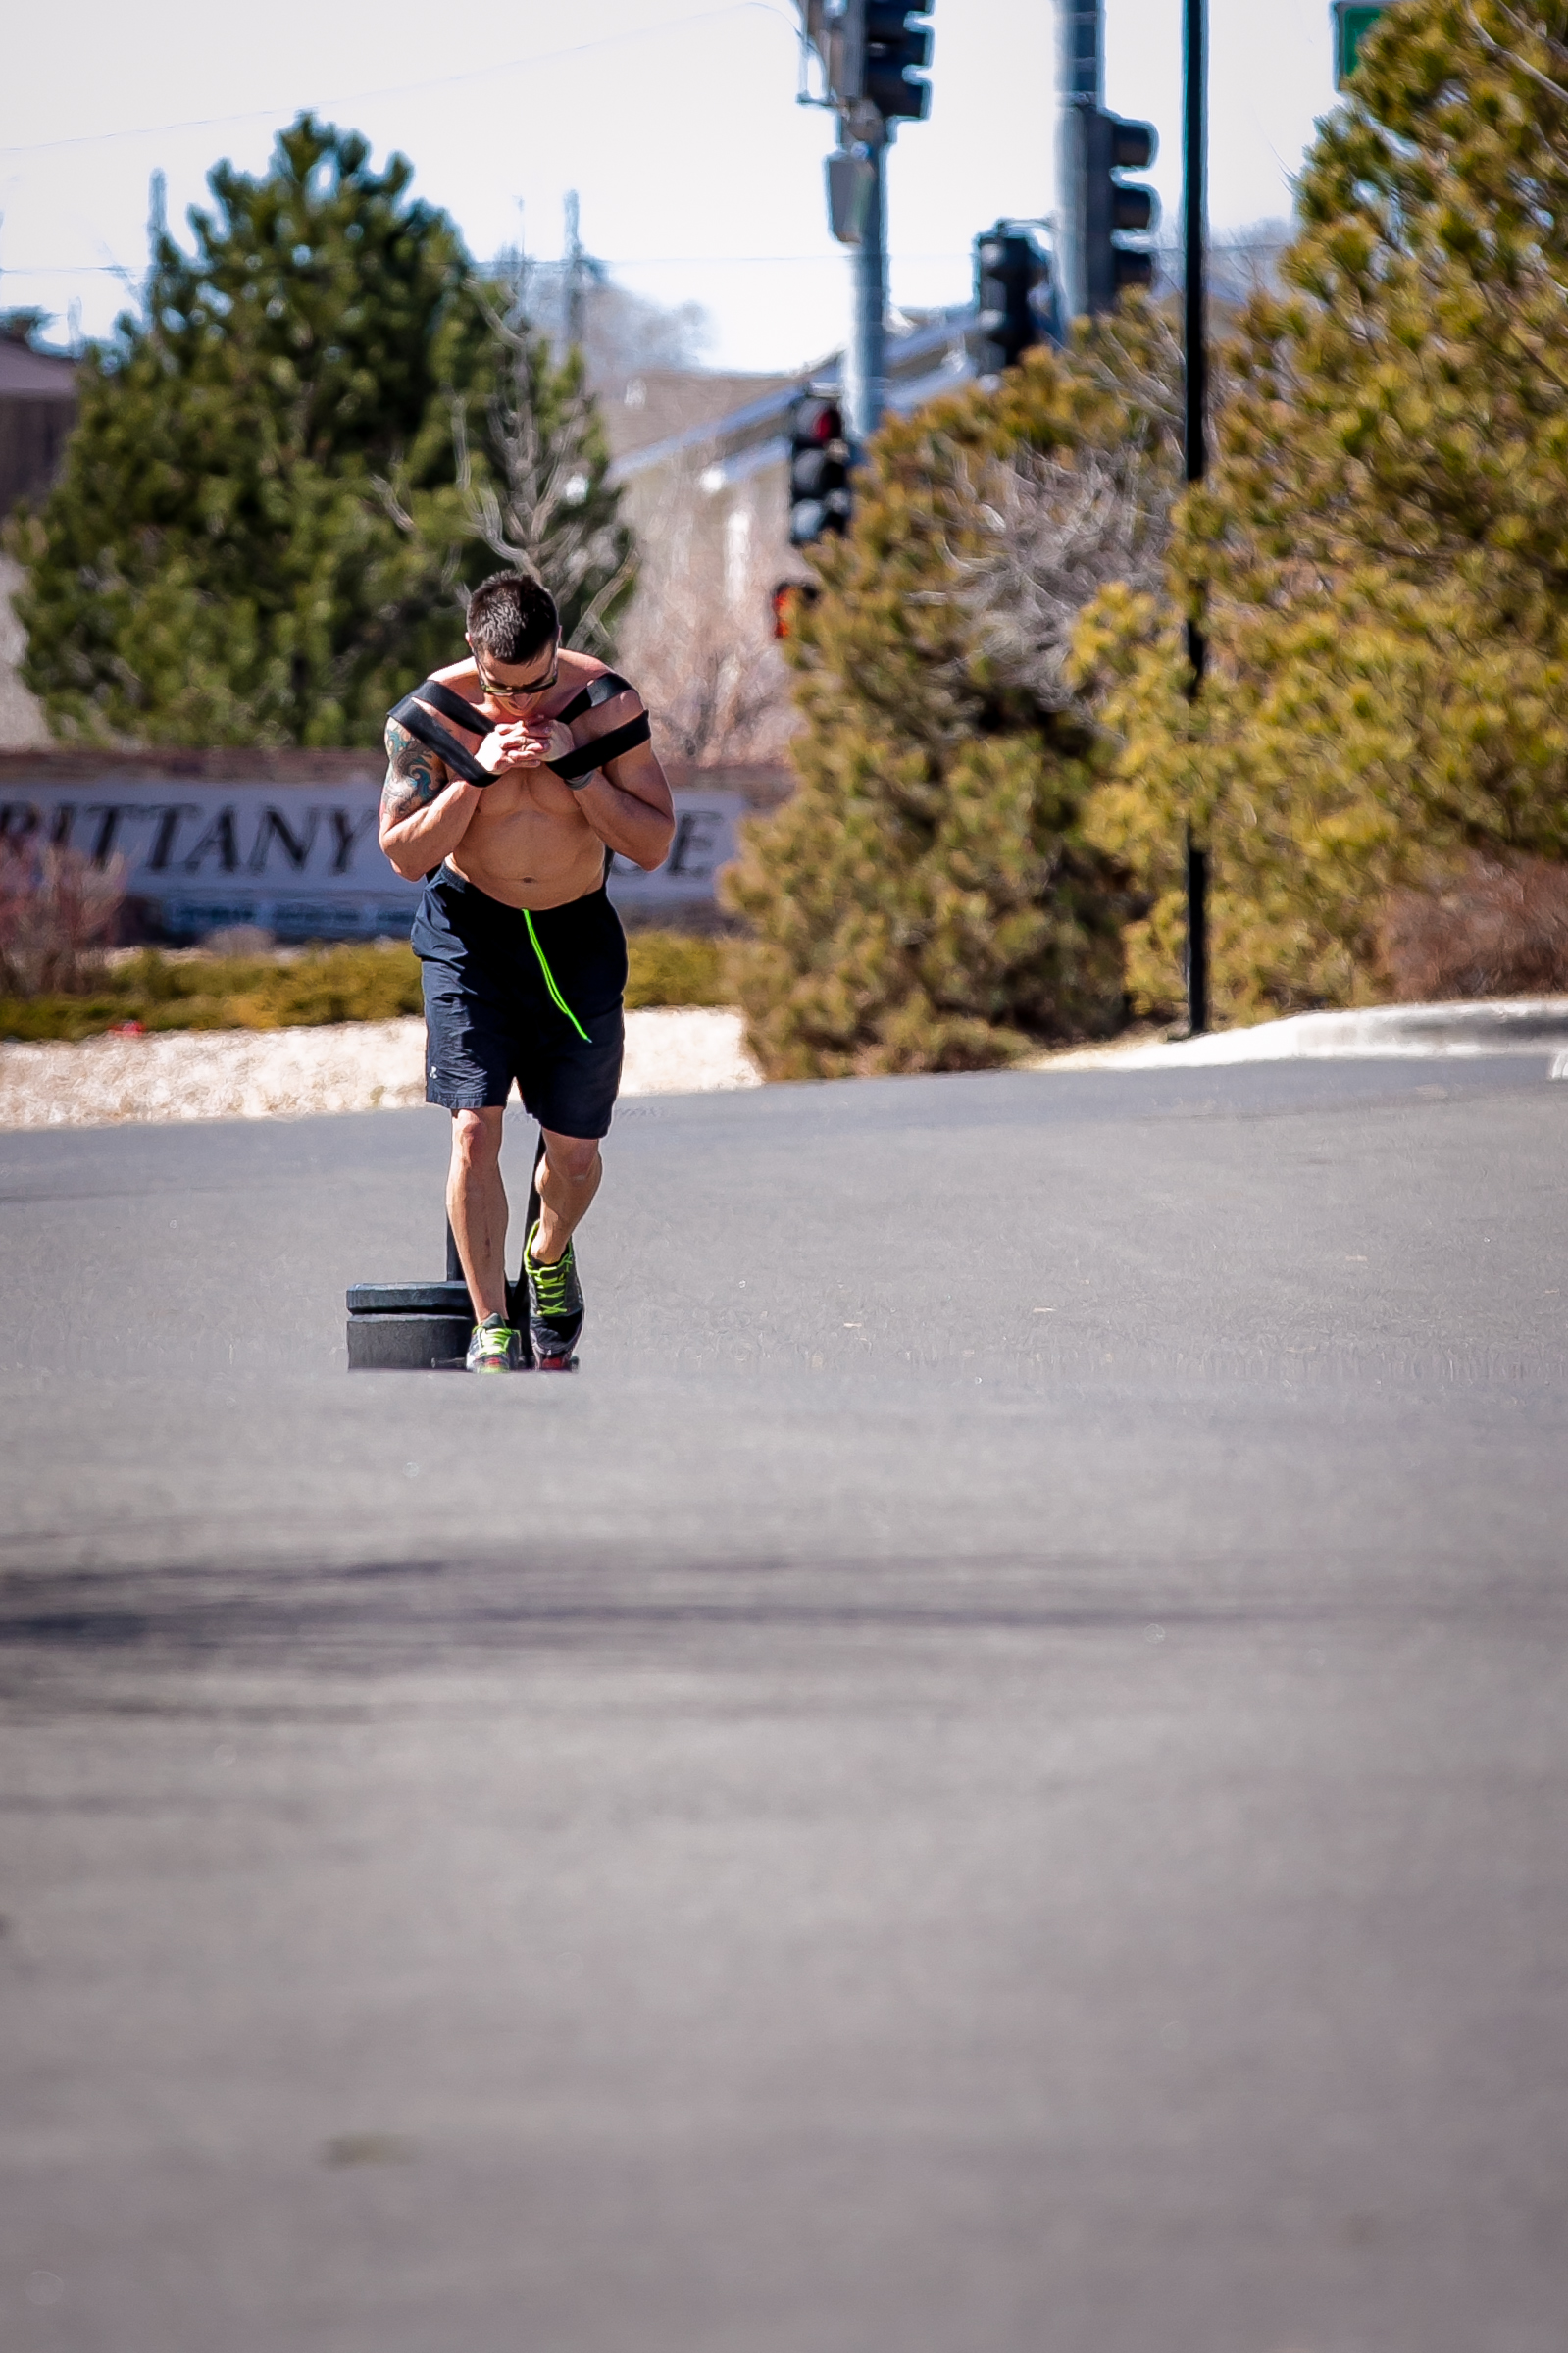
297 855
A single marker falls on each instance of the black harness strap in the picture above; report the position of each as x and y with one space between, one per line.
603 688
453 707
608 746
409 714
584 761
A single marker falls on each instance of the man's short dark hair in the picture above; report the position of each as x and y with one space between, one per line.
512 617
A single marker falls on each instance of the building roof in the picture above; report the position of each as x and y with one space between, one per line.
741 440
36 375
654 405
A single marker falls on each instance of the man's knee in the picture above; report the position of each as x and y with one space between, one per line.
574 1157
475 1138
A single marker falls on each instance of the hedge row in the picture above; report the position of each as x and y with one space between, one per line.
335 983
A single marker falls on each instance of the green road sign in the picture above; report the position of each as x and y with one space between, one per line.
1352 22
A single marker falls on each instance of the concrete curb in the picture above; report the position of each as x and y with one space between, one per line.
1524 1025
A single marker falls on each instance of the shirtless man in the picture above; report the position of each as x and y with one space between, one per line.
523 956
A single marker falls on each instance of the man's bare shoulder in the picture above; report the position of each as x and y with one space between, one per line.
579 670
621 704
461 677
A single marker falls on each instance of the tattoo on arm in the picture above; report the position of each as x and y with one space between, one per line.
414 776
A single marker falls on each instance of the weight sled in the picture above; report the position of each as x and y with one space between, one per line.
424 1327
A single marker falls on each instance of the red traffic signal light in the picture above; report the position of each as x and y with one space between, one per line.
817 421
819 470
784 601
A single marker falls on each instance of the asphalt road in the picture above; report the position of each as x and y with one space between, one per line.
988 1778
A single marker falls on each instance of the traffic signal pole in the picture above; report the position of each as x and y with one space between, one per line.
1079 89
1194 127
865 368
1097 207
874 56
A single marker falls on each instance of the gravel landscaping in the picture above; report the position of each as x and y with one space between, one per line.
290 1073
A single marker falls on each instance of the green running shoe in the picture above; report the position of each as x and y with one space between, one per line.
494 1348
555 1306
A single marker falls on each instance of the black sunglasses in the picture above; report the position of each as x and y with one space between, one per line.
534 686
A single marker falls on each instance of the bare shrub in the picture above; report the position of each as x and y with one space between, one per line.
1238 263
553 515
1497 927
1059 528
621 333
57 909
700 647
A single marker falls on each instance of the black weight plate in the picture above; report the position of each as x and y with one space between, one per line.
405 1343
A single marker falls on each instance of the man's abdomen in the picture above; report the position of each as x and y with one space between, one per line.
529 857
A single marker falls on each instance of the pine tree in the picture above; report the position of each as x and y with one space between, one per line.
926 901
1382 550
259 535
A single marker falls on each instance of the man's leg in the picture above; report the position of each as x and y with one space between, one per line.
568 1178
475 1204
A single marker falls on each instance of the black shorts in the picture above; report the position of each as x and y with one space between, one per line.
535 999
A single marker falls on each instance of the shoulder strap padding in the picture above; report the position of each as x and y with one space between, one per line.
410 714
454 706
603 688
603 748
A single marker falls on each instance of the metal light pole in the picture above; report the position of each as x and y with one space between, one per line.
874 61
1080 88
1194 111
865 368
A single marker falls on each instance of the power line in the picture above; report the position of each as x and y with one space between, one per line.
398 89
1168 256
629 261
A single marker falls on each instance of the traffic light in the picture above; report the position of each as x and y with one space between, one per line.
898 46
789 598
871 53
1113 208
819 470
1008 269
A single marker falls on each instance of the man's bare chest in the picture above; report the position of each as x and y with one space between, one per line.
532 792
522 798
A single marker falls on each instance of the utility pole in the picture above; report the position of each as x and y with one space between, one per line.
1195 440
574 272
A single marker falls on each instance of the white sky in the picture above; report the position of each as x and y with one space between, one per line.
700 179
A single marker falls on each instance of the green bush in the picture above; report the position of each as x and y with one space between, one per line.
227 993
359 982
928 899
1378 550
669 968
